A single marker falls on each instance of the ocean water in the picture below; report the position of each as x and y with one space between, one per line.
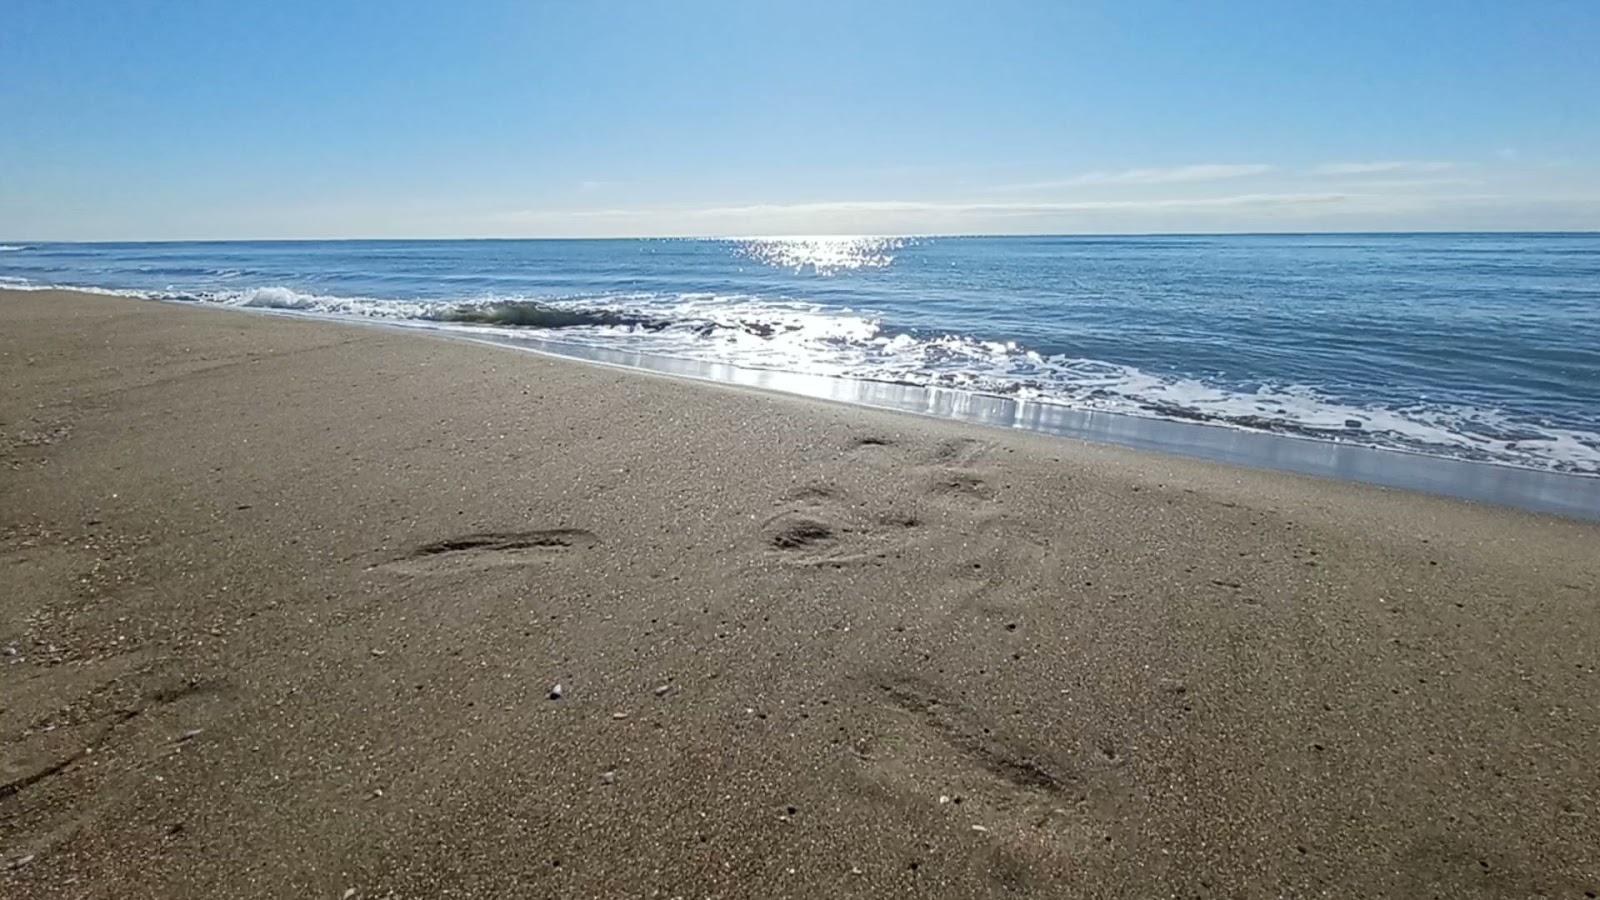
1481 347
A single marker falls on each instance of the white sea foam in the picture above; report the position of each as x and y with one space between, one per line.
13 283
282 298
12 247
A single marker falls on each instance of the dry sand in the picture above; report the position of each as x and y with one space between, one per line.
283 604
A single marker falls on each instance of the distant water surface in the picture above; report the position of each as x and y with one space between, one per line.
1482 347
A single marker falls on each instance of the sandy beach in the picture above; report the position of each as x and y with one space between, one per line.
299 609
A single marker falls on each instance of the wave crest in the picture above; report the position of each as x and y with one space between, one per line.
534 314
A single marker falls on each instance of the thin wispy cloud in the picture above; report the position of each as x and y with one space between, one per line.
931 209
1021 208
1200 172
1411 194
1354 204
1389 184
1387 167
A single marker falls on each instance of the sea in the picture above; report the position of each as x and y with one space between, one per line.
1472 348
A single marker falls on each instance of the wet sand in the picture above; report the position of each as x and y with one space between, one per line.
284 606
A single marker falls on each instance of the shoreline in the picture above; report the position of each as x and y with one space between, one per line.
1573 495
294 608
1535 490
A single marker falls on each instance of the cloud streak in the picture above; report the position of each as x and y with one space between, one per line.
1190 174
919 216
1210 197
1390 167
1020 208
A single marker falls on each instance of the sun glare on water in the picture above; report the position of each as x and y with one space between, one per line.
827 255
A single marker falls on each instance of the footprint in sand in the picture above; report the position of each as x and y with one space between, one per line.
959 484
821 527
958 452
490 549
953 473
931 744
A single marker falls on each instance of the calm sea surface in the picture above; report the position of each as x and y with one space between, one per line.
1477 347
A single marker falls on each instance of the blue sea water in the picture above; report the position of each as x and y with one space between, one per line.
1481 347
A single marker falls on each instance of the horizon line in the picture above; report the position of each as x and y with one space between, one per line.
802 237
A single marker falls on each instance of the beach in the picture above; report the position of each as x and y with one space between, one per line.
304 609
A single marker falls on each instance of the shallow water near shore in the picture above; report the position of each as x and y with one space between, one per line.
1531 489
1463 348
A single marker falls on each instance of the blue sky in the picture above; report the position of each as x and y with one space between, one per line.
401 119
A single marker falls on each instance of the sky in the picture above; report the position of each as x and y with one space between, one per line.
155 121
